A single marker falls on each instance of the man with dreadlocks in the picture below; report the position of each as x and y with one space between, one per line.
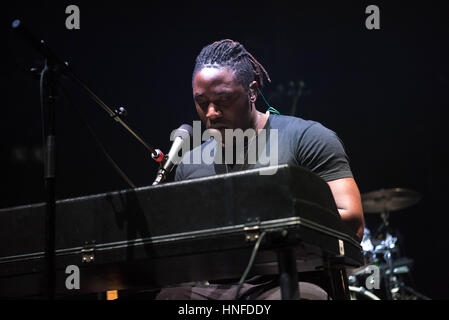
225 82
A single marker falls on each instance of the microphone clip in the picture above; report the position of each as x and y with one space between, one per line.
158 156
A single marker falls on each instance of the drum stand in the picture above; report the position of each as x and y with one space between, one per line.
384 201
388 246
394 287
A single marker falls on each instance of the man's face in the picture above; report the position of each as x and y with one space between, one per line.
221 102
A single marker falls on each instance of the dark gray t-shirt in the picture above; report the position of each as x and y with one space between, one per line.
301 142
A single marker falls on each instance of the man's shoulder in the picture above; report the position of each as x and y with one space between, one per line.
297 125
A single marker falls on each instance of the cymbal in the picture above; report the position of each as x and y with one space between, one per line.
386 200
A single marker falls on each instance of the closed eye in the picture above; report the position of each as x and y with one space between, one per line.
221 103
223 100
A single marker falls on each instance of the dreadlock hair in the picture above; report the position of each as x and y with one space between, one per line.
231 54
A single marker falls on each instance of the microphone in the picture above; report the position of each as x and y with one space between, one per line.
181 137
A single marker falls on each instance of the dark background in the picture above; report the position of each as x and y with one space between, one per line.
384 92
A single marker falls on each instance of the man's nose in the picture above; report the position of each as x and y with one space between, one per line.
213 112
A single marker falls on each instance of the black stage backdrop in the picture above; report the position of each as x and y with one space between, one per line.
384 92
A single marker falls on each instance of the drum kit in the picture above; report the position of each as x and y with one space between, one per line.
383 277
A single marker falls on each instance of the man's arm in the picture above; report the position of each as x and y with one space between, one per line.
349 203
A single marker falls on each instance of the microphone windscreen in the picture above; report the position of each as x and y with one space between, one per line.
184 130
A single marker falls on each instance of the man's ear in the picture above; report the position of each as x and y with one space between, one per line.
253 91
252 95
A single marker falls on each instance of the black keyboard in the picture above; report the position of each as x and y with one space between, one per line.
194 230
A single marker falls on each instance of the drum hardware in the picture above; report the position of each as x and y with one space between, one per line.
366 294
384 253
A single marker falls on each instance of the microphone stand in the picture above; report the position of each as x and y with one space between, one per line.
160 176
49 87
50 77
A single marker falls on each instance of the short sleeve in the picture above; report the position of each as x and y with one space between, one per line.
321 151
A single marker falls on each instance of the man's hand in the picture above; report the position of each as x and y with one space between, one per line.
349 204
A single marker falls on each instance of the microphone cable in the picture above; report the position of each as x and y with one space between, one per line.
250 264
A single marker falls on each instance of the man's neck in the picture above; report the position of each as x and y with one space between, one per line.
261 120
